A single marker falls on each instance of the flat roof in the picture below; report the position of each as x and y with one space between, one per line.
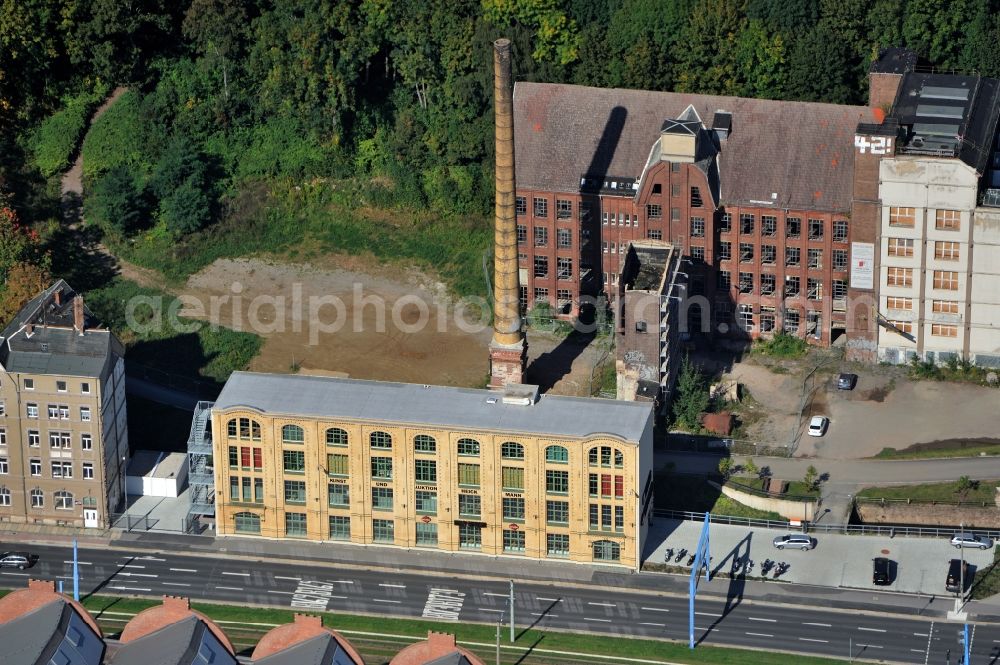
156 464
431 406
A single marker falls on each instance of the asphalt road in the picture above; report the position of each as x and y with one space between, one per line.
801 628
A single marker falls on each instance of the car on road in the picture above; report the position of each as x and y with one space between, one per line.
881 571
19 560
965 539
958 574
794 541
847 381
818 425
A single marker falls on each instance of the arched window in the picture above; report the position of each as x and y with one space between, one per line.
606 550
64 500
592 456
619 459
556 454
381 440
605 456
336 437
4 496
243 428
247 523
292 434
424 444
468 447
511 450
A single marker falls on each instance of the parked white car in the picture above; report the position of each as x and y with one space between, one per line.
818 425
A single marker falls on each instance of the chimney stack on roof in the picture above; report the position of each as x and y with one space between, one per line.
308 620
78 322
177 603
42 585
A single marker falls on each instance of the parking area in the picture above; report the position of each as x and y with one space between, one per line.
837 561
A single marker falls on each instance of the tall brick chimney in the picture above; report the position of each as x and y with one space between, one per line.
78 321
508 349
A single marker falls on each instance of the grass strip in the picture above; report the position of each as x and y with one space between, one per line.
913 452
950 491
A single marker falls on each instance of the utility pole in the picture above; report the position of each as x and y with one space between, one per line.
512 611
76 573
961 573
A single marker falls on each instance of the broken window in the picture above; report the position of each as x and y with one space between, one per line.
768 225
792 256
766 319
724 279
814 289
840 230
725 222
541 236
541 207
815 257
746 317
840 259
815 229
654 211
792 287
521 205
746 223
768 254
746 252
564 268
793 227
767 284
564 238
839 289
697 227
564 209
522 234
725 251
695 198
746 282
541 266
790 321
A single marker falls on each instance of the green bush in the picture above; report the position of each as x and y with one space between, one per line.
118 137
117 202
782 345
55 141
281 148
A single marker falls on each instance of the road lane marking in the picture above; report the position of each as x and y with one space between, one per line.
603 604
549 600
384 600
708 614
129 588
655 609
655 625
237 574
872 630
176 584
495 595
443 604
822 625
284 593
917 650
920 635
342 582
134 575
18 574
230 588
394 586
487 609
870 646
282 577
759 634
809 639
130 565
539 614
151 558
601 620
183 570
80 563
759 619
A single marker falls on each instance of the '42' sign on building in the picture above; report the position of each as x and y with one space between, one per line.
877 145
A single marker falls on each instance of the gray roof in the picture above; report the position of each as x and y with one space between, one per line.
36 637
53 347
176 644
454 658
801 151
319 650
414 404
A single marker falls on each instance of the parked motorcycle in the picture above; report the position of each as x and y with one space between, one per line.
680 555
765 567
668 555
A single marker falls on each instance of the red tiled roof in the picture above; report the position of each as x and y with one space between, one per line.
801 151
437 645
303 628
172 610
38 594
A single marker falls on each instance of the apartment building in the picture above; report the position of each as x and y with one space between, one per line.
499 473
63 429
649 306
757 193
939 240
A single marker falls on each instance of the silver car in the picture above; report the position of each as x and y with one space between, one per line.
19 560
960 540
794 541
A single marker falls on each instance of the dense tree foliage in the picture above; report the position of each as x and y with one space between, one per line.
392 98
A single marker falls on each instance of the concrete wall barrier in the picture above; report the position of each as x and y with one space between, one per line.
793 510
940 515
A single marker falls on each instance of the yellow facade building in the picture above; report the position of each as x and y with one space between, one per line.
415 466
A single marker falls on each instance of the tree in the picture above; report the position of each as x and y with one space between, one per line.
24 281
819 69
751 468
188 208
726 466
117 202
24 265
691 396
811 478
705 53
556 36
218 29
180 162
964 485
938 30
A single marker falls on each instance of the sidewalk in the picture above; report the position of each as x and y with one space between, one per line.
471 565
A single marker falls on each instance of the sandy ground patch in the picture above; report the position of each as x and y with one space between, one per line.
396 324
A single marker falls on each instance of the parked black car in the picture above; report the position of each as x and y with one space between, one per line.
881 571
847 381
958 573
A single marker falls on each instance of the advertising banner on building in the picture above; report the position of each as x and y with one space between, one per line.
862 265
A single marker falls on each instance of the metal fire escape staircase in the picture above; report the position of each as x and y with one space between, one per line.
201 476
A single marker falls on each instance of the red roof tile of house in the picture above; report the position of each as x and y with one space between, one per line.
303 628
172 610
436 646
38 594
